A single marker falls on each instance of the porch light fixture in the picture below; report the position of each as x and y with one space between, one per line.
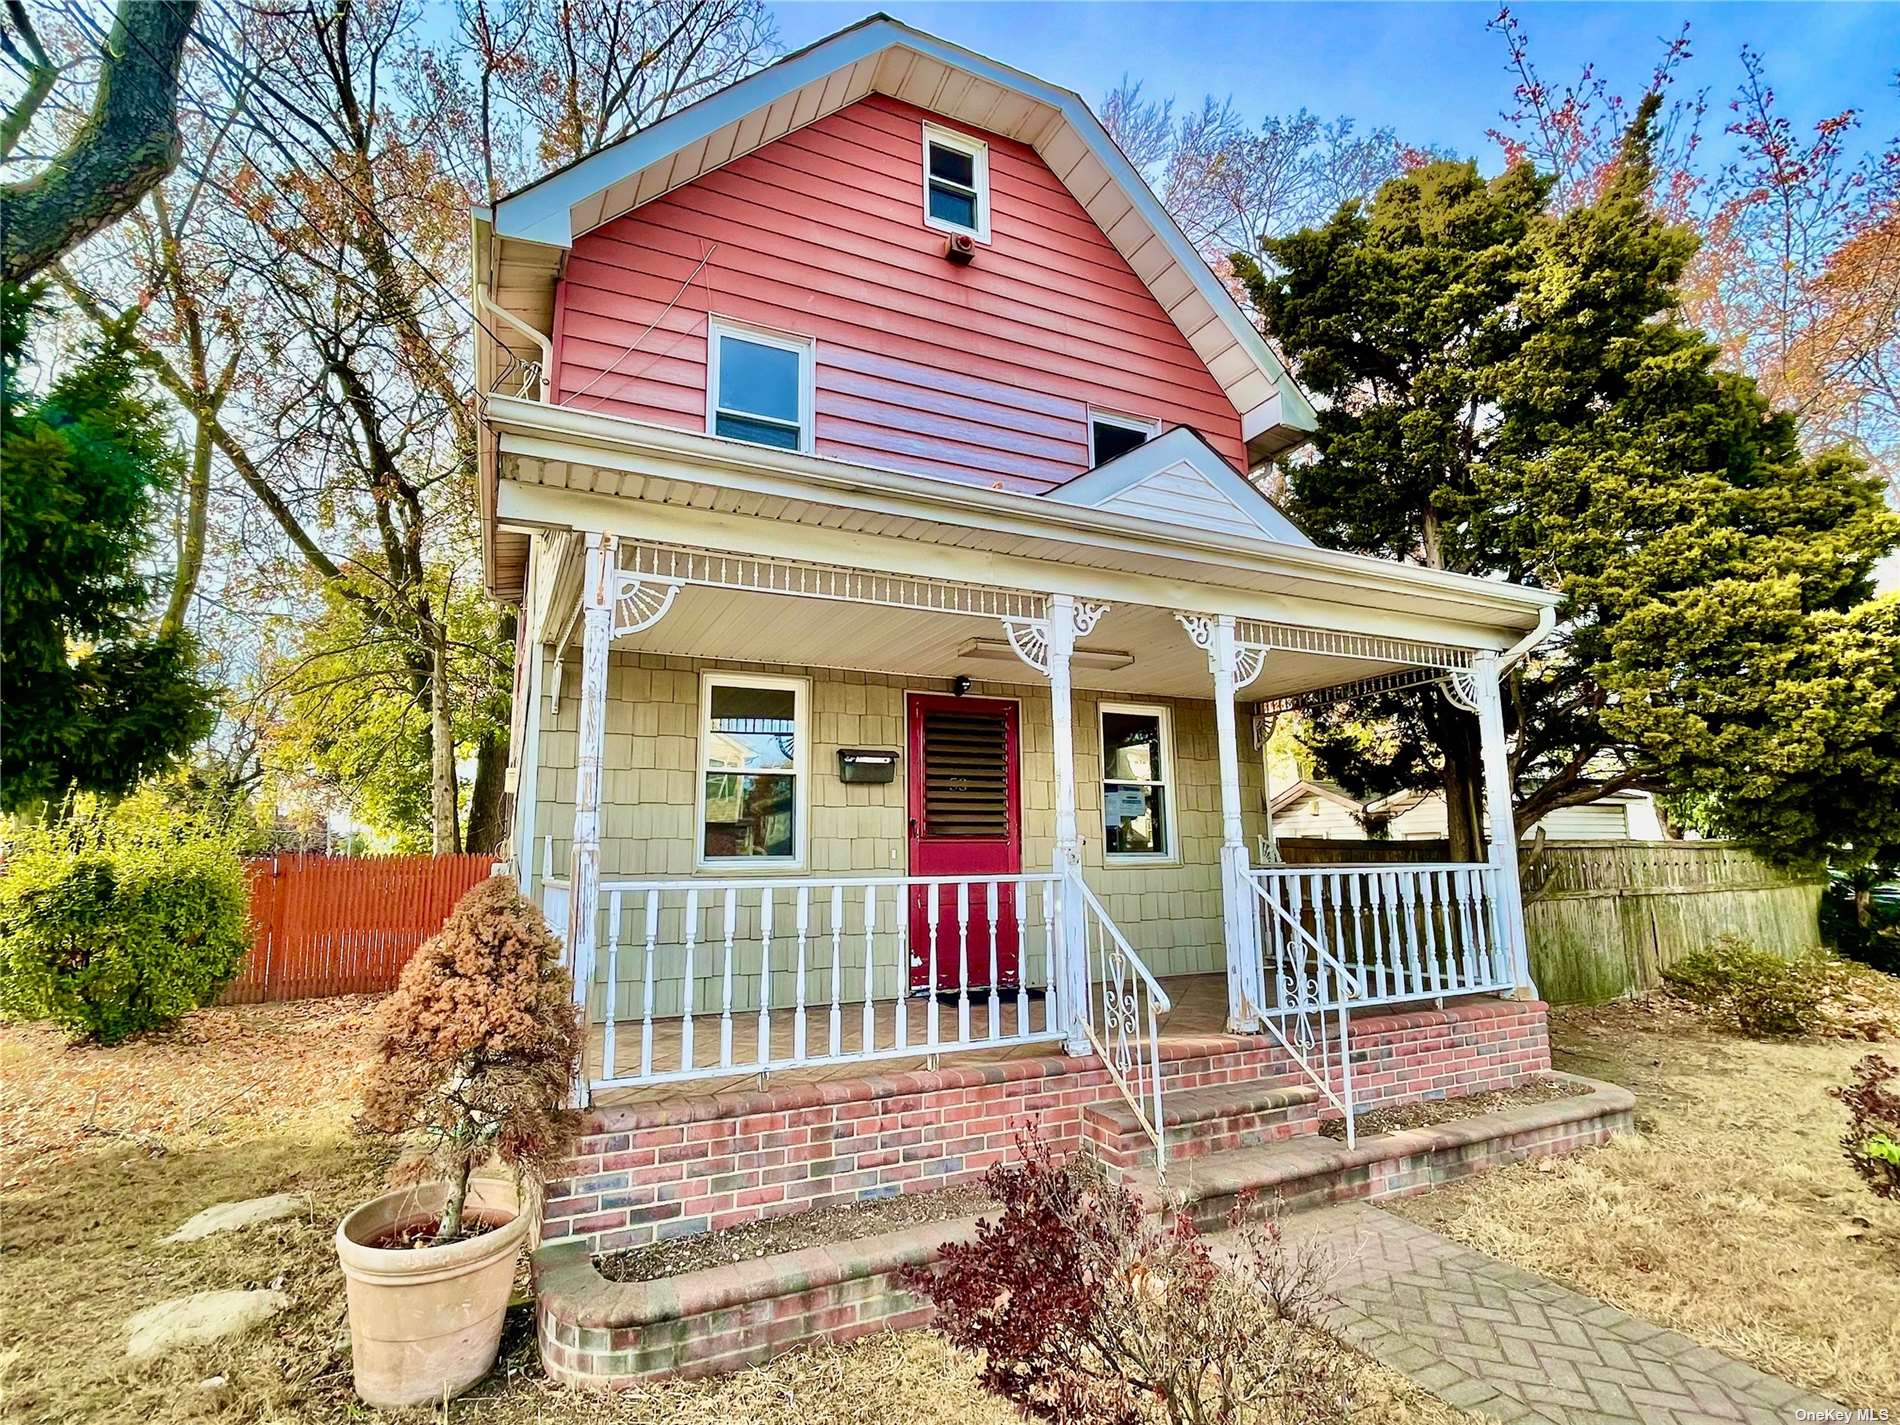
1105 659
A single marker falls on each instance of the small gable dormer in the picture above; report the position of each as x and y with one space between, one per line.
1179 479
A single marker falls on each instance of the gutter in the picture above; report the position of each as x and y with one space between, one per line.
546 345
1546 621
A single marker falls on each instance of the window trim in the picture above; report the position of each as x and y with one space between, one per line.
1147 425
800 689
1170 786
979 153
718 328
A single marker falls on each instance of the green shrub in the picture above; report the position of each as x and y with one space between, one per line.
118 920
1763 994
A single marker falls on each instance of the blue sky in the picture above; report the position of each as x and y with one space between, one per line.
1429 70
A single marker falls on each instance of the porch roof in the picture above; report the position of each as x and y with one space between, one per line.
569 469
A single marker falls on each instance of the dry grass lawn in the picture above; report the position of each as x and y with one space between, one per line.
1730 1216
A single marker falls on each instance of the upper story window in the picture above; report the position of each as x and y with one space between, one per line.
758 387
1112 435
956 183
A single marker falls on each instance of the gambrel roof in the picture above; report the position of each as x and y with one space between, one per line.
519 254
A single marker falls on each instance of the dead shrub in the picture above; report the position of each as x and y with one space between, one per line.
1762 994
1087 1312
476 1048
1872 1139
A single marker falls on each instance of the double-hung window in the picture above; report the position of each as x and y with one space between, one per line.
956 183
752 742
758 387
1137 777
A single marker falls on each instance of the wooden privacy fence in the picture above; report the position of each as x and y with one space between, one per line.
339 925
1604 918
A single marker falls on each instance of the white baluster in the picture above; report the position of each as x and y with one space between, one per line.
1389 893
900 1008
691 928
1050 994
798 1021
646 1009
1427 916
996 1006
963 962
613 984
837 968
1461 887
765 976
725 1010
867 1031
1408 918
931 909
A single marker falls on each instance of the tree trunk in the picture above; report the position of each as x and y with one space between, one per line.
191 544
1456 732
442 786
126 145
487 831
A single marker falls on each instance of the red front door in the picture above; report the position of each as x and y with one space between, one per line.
965 820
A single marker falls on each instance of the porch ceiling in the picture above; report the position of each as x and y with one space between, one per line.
1136 651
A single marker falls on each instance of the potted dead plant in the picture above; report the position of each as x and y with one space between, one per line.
474 1055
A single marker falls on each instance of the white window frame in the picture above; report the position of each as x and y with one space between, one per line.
717 329
1147 426
1170 787
979 153
800 689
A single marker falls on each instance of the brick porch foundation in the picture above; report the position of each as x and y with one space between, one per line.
602 1334
653 1171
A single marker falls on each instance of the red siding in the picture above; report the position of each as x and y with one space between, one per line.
982 373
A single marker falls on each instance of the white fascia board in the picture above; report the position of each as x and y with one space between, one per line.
1180 446
562 433
543 212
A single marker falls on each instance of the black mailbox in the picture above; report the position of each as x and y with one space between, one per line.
867 764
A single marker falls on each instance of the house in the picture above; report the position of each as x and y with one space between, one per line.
1320 809
867 453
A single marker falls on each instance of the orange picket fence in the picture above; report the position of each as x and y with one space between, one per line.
343 925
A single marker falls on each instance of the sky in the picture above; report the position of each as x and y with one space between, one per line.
1429 70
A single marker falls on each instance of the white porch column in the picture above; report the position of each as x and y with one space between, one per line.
1061 632
1487 700
597 626
1238 916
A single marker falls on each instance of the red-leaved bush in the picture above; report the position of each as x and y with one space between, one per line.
1086 1311
477 1046
1872 1139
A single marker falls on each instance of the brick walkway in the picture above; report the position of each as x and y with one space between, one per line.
1491 1338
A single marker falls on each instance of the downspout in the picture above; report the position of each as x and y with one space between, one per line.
546 345
1546 621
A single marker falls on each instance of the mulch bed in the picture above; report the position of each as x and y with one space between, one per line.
1446 1110
789 1233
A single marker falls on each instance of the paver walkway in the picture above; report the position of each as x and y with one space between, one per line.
1494 1339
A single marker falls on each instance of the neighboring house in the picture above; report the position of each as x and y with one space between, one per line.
867 452
1320 809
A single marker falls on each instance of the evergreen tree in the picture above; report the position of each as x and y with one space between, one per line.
89 699
1509 394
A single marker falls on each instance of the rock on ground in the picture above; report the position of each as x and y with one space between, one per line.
193 1320
229 1216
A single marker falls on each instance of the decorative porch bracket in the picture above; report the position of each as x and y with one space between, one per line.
640 600
1047 644
1234 664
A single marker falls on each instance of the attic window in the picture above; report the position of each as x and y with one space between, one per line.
956 183
1111 435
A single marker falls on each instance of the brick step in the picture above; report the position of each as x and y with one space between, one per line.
1200 1122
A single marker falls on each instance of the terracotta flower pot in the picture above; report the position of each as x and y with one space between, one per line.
425 1321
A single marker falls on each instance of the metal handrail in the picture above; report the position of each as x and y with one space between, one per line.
1117 1042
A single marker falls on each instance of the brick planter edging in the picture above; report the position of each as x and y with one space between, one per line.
1311 1171
602 1334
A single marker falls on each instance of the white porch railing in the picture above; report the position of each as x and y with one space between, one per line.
715 978
1123 1023
1336 938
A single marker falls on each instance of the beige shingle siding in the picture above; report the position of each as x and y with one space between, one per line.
1169 911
